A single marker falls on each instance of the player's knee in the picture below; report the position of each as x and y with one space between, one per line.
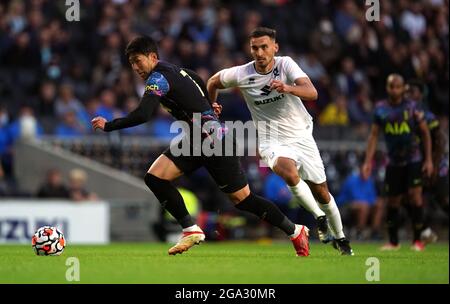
288 171
152 181
290 176
239 196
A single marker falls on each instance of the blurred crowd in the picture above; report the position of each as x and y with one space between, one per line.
55 75
68 72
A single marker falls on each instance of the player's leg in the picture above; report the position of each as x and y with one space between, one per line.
287 169
228 174
392 220
158 179
377 217
417 216
312 170
281 160
416 201
165 169
266 210
328 205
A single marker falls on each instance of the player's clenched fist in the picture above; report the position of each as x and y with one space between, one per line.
98 123
279 86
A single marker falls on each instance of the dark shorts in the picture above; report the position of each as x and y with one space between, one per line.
399 179
226 171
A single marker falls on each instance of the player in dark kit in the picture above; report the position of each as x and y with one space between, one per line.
400 120
435 187
184 95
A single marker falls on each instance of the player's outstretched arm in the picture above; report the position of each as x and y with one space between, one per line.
136 117
213 85
303 88
370 152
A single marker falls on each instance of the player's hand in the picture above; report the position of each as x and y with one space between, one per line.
366 170
427 168
217 108
98 123
280 86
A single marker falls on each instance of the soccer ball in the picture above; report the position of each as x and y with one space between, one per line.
48 241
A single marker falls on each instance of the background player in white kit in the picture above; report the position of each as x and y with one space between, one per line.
273 88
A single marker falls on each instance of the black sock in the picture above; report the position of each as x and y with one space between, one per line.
392 222
417 214
170 199
268 211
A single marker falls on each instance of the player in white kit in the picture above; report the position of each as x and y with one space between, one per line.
273 88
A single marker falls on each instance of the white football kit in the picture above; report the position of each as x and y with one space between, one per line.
284 125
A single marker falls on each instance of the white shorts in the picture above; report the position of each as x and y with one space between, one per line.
304 152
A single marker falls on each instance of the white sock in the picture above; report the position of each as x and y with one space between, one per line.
334 218
296 232
192 228
306 199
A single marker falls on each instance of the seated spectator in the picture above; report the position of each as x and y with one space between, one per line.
70 126
77 186
53 186
360 196
107 107
335 113
349 78
68 102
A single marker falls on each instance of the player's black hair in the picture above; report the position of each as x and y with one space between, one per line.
141 45
416 83
263 31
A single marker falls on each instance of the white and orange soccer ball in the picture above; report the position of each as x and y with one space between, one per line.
48 241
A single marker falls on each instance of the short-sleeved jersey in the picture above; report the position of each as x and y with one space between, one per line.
269 106
399 124
179 93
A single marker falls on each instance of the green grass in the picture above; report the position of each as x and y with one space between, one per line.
225 262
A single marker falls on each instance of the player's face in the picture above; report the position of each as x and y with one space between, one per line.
263 50
143 64
395 88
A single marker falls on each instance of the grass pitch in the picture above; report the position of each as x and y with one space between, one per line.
223 263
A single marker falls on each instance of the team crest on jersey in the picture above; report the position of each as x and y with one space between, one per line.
276 73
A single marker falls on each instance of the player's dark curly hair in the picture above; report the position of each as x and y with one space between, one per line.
141 45
263 31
